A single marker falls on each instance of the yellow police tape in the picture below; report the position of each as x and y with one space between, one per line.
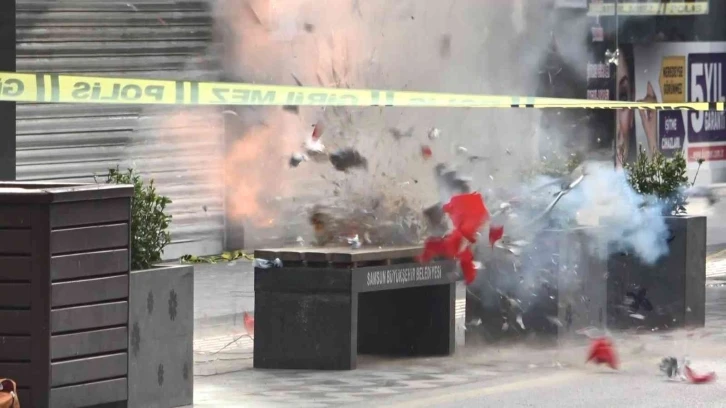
58 88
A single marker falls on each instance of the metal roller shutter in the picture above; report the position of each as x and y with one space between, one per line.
139 39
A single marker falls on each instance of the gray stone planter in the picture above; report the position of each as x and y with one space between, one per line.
674 286
161 332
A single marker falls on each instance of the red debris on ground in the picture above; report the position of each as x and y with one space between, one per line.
468 213
496 232
249 324
602 352
699 378
426 152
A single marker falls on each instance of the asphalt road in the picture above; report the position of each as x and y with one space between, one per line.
637 384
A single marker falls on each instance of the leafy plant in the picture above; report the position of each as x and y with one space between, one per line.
660 177
149 222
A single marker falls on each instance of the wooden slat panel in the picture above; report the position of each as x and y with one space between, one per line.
15 216
14 348
72 214
91 394
89 238
89 264
89 317
15 241
21 373
15 268
15 322
24 396
86 343
14 295
89 291
88 369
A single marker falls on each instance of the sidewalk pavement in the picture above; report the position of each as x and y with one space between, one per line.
225 378
224 291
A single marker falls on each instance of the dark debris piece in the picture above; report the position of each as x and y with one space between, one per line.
436 219
309 27
292 109
296 159
445 49
638 300
297 81
451 180
345 159
669 366
398 134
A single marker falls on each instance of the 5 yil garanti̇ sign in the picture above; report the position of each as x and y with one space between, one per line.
684 73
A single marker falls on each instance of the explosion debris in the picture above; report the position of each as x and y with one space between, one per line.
266 264
294 109
398 134
602 352
345 159
445 49
297 81
426 152
434 133
296 159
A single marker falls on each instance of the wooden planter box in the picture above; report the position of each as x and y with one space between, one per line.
675 286
64 288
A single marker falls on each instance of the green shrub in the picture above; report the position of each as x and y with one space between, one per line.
660 177
149 222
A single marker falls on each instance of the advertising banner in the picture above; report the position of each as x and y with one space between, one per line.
648 7
683 72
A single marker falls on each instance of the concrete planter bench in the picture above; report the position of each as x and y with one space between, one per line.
675 286
64 292
324 306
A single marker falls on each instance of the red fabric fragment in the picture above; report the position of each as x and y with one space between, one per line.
249 324
468 213
426 152
496 232
602 352
446 246
466 260
318 131
699 378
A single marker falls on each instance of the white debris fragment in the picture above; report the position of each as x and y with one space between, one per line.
637 316
354 242
555 321
265 264
520 322
434 133
475 322
462 150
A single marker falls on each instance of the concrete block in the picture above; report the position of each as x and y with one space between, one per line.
675 286
161 333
